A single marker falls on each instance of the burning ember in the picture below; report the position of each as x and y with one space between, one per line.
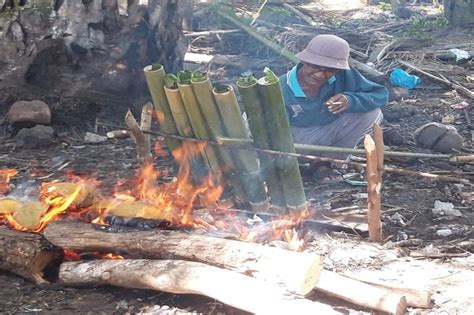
177 203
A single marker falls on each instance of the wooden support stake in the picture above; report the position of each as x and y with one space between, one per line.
26 254
297 272
360 293
145 121
187 277
143 147
373 188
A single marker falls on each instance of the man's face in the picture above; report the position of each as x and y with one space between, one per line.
316 75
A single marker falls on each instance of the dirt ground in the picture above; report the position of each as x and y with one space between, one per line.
411 230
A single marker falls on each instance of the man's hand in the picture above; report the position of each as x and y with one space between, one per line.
337 103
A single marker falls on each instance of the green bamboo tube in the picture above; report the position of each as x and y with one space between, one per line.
202 88
196 120
199 166
246 161
282 140
248 90
155 78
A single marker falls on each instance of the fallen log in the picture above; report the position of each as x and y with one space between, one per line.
415 297
298 272
26 254
361 293
187 277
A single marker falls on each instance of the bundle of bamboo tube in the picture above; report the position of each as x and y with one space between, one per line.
188 105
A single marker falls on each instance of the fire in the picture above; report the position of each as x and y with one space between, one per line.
5 176
146 196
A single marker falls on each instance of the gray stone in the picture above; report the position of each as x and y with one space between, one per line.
94 138
397 93
439 137
35 112
36 137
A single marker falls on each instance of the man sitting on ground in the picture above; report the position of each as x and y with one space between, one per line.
328 102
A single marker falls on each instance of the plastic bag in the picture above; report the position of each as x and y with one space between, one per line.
402 78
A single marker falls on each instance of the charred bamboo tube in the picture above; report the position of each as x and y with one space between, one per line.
202 88
282 140
196 120
199 166
246 161
155 78
256 120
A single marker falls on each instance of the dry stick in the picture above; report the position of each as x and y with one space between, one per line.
145 121
310 148
138 135
455 86
187 277
436 177
300 14
361 293
373 189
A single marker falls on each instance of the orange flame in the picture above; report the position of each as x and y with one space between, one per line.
5 176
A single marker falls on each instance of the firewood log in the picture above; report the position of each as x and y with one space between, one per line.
187 277
415 297
26 254
298 272
360 293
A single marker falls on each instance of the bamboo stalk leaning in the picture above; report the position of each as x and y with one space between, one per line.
155 78
198 163
202 88
248 90
196 120
246 161
282 140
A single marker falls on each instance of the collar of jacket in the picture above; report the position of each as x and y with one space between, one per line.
294 84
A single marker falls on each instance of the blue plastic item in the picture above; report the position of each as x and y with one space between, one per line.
402 78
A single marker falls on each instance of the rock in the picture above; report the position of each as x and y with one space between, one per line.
397 93
94 138
36 137
403 13
396 112
439 137
34 112
393 137
444 232
445 209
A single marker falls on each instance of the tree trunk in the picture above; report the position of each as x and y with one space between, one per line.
459 12
92 49
26 254
298 272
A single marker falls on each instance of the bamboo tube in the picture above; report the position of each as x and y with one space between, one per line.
199 166
155 78
246 161
282 140
196 119
256 120
202 88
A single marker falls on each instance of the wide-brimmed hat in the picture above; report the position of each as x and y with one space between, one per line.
328 51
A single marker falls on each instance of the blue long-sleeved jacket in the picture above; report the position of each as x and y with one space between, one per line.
363 96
